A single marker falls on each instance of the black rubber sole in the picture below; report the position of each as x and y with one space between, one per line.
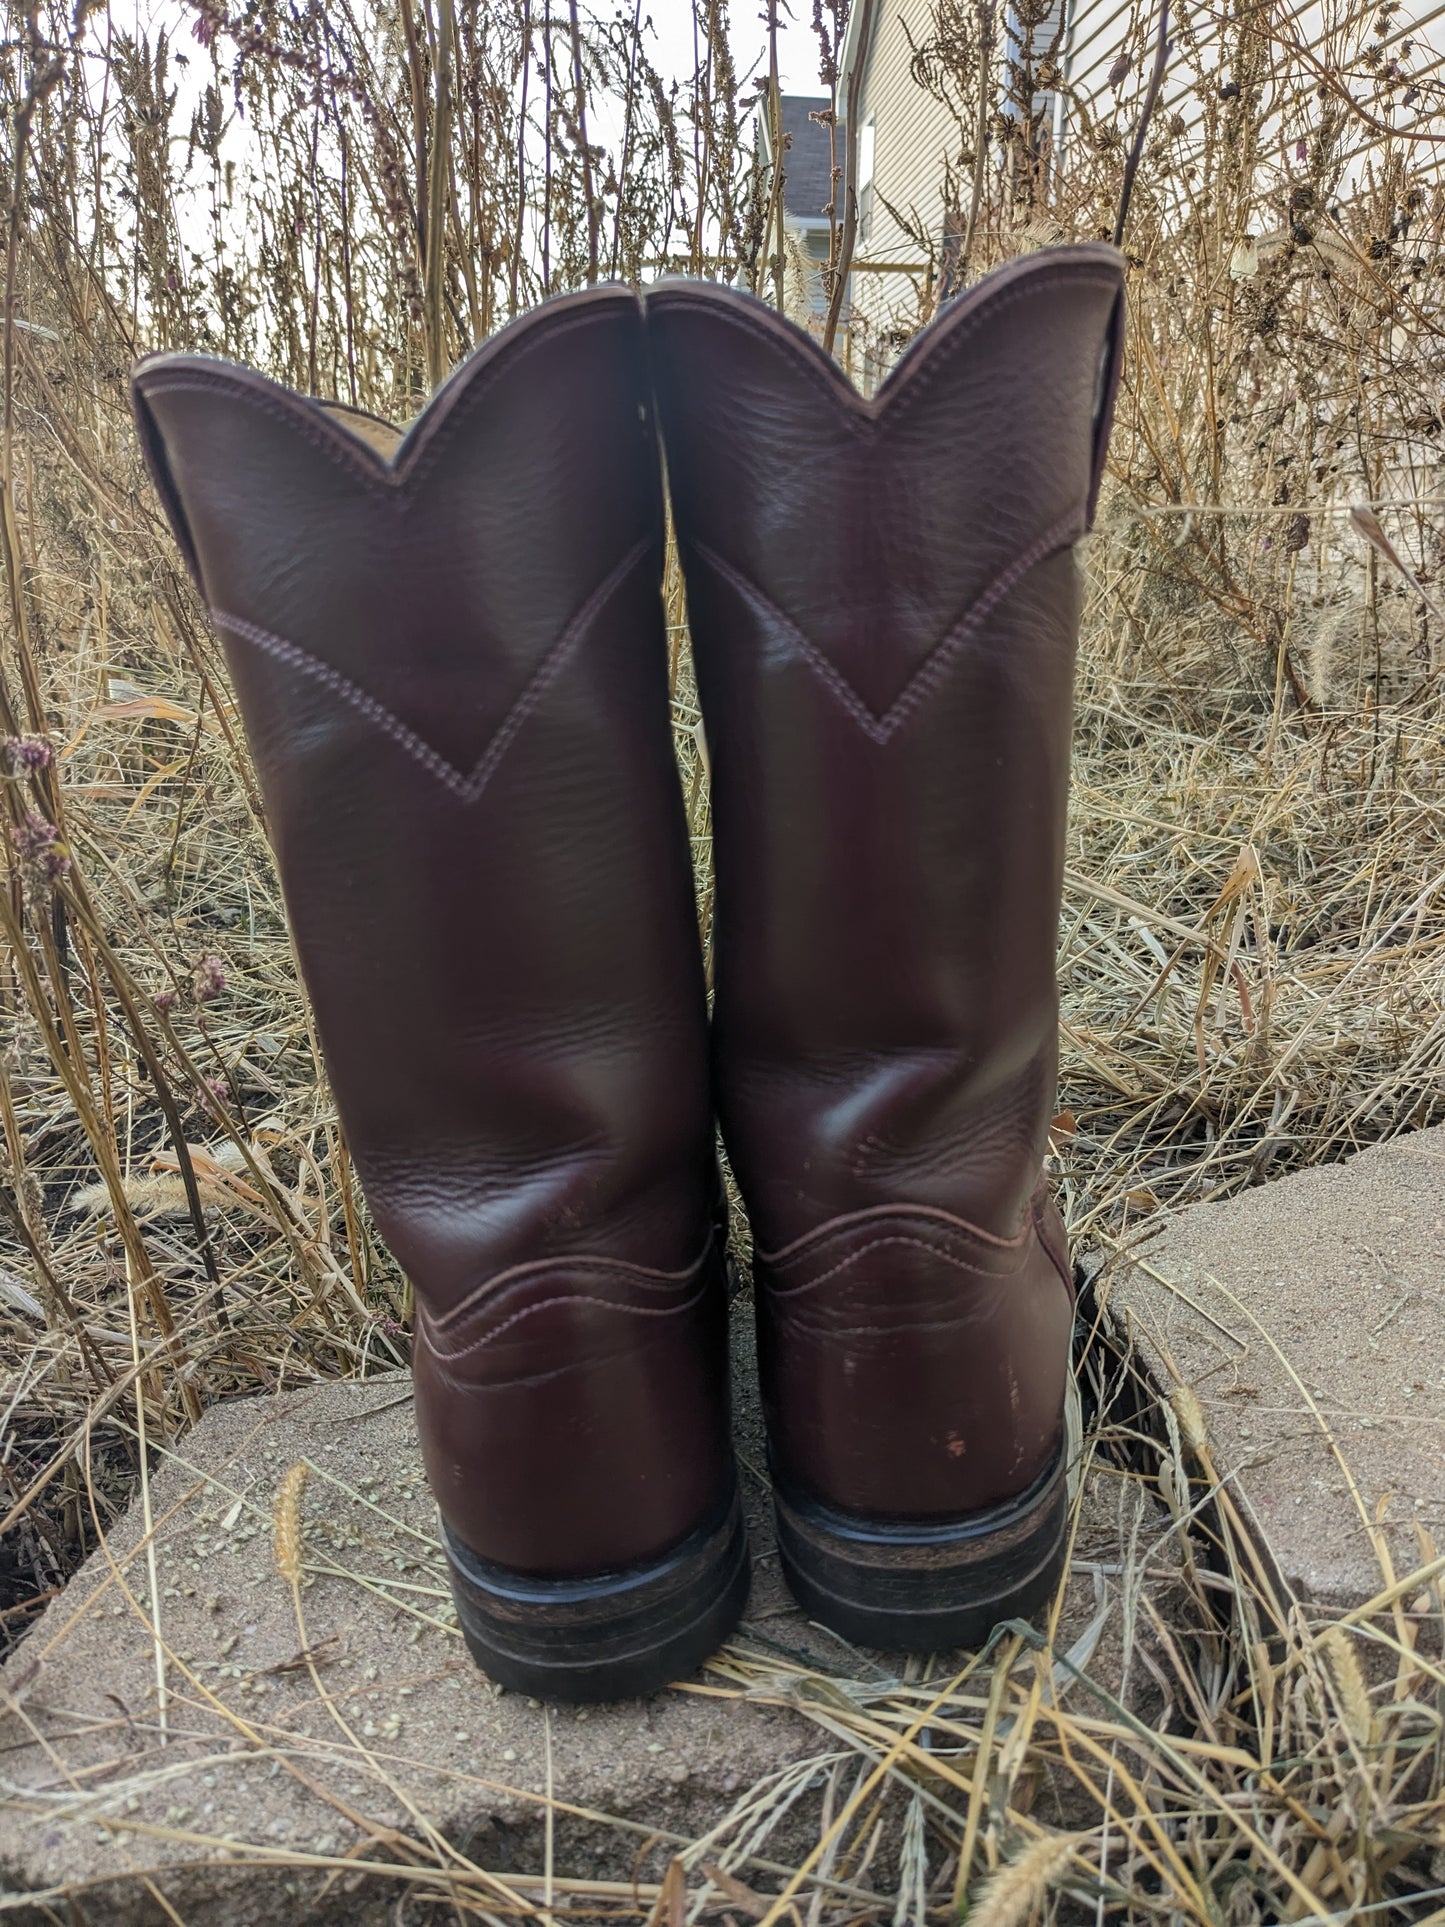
925 1588
615 1635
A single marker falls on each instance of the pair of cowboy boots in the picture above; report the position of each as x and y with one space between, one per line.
449 651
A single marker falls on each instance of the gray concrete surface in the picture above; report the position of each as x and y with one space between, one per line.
1309 1318
197 1770
207 1809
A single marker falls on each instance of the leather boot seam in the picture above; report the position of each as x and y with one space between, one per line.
562 1299
880 727
879 1244
331 440
1061 1266
467 787
864 418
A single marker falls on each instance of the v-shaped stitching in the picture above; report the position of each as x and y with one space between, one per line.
878 725
467 786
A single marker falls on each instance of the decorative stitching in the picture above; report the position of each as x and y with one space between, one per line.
794 1325
878 1244
929 1216
551 1304
332 440
517 1276
880 728
467 787
959 1232
867 418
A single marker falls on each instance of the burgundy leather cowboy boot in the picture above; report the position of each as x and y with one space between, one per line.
449 652
884 604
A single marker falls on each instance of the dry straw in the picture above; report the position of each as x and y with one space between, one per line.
1253 942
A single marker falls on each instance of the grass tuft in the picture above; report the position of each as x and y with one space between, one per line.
1252 951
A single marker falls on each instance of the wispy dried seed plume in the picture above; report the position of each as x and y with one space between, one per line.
1008 1897
1349 1681
286 1522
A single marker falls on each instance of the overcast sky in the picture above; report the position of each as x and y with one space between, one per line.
670 36
797 44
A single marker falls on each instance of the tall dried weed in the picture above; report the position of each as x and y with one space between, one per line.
1253 947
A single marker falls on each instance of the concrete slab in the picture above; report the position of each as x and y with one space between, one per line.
1309 1318
249 1789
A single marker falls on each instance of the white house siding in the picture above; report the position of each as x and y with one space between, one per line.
1097 32
918 141
917 137
1336 31
915 140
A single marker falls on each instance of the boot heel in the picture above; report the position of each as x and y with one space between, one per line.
915 1587
613 1635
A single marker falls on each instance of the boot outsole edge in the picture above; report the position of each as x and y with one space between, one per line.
612 1636
926 1588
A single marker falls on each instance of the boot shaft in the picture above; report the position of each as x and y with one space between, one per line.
449 652
450 655
884 604
452 668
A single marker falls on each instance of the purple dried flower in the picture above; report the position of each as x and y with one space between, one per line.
208 977
25 755
37 843
165 1000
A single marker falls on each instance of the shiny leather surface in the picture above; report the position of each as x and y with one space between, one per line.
451 663
884 605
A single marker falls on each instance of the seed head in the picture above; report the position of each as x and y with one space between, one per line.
1349 1678
1187 1411
38 845
25 755
286 1523
208 977
1010 1895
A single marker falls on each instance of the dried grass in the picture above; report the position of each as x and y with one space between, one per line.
1253 947
1213 1750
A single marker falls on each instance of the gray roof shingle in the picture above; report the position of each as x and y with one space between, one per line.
808 175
